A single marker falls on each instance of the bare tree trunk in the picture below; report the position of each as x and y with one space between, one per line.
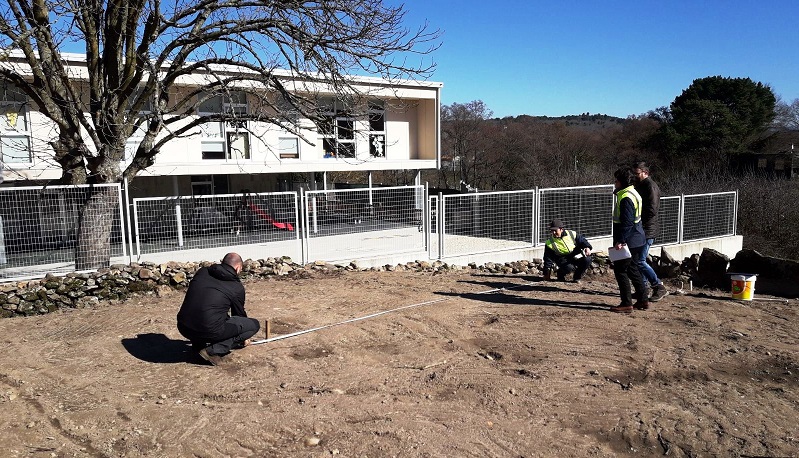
93 248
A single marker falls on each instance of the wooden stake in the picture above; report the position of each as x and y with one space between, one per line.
268 329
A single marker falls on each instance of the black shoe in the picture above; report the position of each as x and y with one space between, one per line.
215 360
658 293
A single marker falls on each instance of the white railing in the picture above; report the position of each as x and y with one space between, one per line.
168 224
38 226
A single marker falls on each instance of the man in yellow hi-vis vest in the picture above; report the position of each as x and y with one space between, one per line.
567 251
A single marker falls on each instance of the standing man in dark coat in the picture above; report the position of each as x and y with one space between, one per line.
650 195
212 316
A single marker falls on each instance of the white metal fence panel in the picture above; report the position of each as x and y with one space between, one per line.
708 215
165 224
347 224
585 209
39 228
485 222
669 218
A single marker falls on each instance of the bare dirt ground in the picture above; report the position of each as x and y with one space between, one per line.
497 366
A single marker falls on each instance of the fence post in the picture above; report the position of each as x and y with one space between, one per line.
536 215
735 215
128 218
179 221
305 229
426 218
680 218
441 225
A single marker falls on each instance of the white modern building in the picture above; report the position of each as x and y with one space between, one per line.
397 128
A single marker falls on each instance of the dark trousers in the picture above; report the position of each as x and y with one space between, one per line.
626 271
237 329
578 266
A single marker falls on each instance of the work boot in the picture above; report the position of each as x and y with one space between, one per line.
658 293
624 307
641 305
215 360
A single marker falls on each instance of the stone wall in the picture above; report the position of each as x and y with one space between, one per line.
119 282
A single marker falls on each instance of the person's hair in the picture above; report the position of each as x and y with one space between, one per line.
233 260
625 176
642 166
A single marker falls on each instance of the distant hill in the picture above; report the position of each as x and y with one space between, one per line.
586 120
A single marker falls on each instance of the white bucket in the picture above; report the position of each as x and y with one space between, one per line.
743 287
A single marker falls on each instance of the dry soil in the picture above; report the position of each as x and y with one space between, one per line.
471 365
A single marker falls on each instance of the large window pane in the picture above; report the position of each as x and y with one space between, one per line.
213 150
238 144
15 149
288 148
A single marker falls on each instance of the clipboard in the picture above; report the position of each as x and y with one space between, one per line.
618 255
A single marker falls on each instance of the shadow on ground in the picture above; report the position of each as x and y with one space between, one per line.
158 348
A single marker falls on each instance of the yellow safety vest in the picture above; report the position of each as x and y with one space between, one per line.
631 193
564 244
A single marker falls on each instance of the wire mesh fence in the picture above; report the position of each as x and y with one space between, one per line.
669 219
45 229
491 221
708 215
585 209
345 224
164 224
40 227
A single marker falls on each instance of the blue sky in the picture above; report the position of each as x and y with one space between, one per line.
618 58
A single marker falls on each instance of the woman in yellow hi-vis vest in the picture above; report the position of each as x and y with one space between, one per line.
627 230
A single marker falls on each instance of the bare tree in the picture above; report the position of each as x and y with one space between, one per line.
464 142
786 115
137 51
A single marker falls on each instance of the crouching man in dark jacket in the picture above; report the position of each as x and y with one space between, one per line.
212 316
567 251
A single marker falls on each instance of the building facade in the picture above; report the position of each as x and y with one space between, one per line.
394 126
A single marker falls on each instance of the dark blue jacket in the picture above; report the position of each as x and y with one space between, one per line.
628 231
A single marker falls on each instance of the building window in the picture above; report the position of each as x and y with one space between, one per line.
228 139
377 128
345 137
779 164
289 148
762 163
207 185
14 134
238 145
213 149
337 130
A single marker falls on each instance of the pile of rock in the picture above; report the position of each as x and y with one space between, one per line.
118 282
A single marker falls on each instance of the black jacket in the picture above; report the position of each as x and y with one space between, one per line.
213 292
650 198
